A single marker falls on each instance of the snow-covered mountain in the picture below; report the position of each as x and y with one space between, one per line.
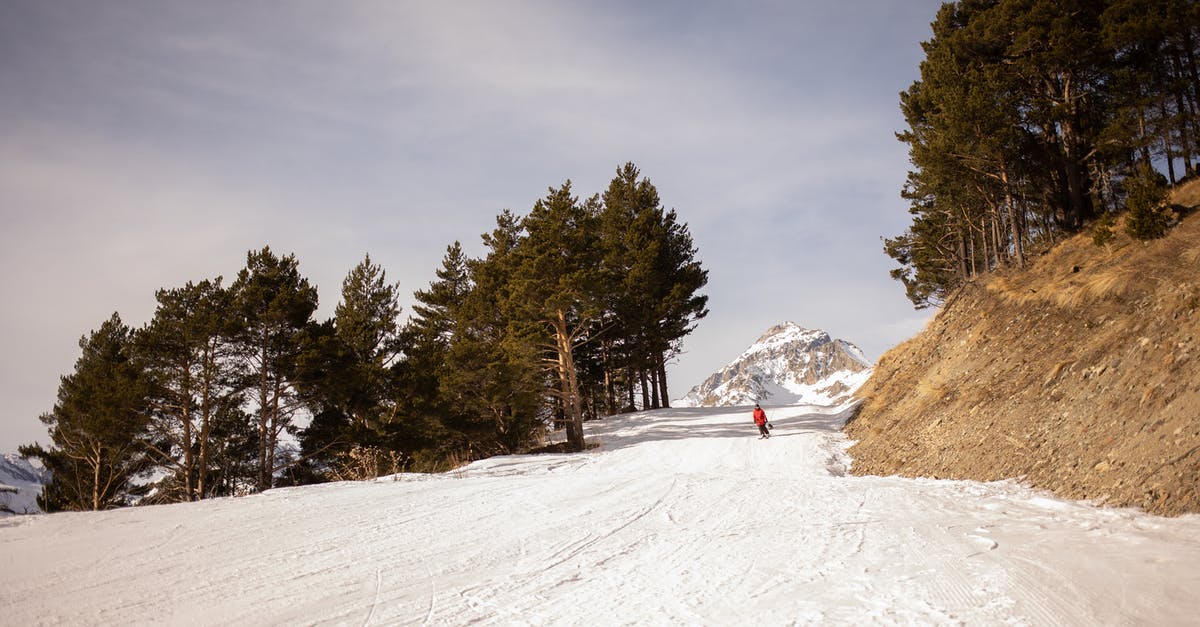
20 484
787 365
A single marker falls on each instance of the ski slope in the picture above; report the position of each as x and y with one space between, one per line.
682 516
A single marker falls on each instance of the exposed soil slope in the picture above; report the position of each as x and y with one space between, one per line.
1079 374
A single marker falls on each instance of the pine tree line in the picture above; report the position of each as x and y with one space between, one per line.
1032 118
572 314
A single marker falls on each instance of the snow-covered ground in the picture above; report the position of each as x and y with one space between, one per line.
682 516
20 485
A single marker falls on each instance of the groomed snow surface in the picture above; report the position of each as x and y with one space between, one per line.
682 516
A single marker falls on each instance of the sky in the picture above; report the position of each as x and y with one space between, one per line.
148 144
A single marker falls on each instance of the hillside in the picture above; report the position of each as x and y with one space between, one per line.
1079 375
680 516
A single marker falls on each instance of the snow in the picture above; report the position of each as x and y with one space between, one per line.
20 485
681 516
774 369
824 391
772 381
787 333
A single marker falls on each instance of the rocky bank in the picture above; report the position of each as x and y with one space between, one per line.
1079 374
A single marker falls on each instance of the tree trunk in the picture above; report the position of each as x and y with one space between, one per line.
987 253
273 432
96 480
568 381
610 392
653 386
189 452
645 386
971 253
1167 145
1077 185
1018 251
205 427
264 419
629 387
998 236
662 378
1142 139
206 415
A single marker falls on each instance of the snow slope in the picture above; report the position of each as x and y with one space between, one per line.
682 516
21 483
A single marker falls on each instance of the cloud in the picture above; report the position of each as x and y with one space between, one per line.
149 145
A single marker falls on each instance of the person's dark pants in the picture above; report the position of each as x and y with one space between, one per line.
763 430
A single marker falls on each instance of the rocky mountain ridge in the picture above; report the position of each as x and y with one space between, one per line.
787 365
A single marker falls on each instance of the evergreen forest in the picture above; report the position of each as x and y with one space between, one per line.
1033 119
235 387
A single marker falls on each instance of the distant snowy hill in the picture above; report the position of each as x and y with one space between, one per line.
788 365
20 484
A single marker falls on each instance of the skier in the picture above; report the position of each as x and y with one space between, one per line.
760 419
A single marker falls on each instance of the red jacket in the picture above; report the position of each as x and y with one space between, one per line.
760 416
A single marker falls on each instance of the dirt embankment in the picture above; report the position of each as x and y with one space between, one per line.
1079 374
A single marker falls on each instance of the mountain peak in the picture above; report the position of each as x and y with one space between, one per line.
788 333
788 364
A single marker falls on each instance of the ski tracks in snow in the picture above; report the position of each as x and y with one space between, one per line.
683 516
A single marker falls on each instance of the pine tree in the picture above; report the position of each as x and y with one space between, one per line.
650 284
275 306
629 248
97 426
490 381
1149 215
556 264
345 368
431 411
1026 115
1156 83
679 303
366 323
436 307
194 381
